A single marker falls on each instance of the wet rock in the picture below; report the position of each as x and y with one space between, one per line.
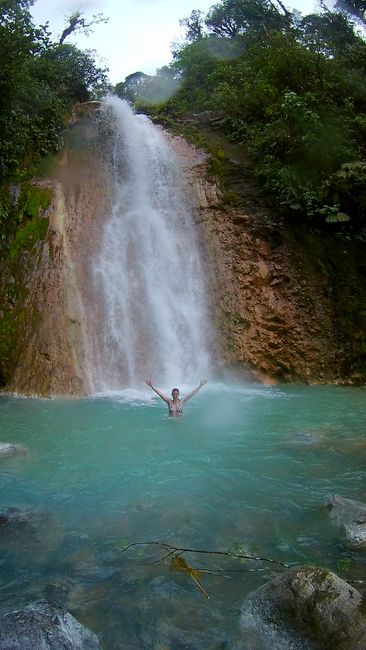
207 118
307 438
323 610
356 533
11 449
351 516
344 511
17 517
42 625
31 531
60 590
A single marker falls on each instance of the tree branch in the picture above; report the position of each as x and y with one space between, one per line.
180 550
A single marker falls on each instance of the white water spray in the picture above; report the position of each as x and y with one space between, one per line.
148 280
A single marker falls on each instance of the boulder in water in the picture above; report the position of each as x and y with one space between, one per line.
356 533
30 530
11 449
19 518
351 515
44 625
323 610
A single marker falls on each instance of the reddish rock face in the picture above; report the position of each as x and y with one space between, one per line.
51 353
271 308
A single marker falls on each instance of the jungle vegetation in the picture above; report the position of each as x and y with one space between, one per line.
40 81
291 91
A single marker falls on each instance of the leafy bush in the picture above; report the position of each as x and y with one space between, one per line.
39 83
296 100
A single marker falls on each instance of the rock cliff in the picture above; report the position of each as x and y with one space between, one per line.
276 303
48 356
275 295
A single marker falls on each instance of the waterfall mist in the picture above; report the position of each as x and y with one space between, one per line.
148 285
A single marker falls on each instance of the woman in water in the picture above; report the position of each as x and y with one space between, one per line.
175 404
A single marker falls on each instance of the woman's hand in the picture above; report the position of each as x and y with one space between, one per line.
148 382
203 382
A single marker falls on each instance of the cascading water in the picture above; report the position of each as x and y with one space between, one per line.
147 279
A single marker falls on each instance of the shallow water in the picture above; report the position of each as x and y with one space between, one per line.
247 468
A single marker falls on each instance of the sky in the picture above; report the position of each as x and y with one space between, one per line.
139 33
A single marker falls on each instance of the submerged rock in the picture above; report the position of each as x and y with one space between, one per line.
16 518
31 531
11 449
351 515
42 625
323 610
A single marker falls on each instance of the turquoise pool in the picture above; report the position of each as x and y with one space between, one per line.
247 468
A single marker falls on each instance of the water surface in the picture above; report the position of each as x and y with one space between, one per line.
247 468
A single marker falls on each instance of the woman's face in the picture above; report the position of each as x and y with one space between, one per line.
175 393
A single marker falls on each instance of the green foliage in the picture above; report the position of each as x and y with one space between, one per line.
28 235
130 88
32 199
144 90
346 189
20 222
328 33
9 332
233 17
194 25
356 8
294 100
5 210
22 226
343 564
39 83
195 63
76 23
28 225
217 165
70 74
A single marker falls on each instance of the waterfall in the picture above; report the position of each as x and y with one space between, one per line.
148 284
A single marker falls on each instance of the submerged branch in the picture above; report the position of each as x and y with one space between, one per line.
180 550
179 564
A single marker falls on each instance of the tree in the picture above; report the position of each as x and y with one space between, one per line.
194 25
71 73
76 23
356 8
129 89
20 43
234 17
39 82
328 33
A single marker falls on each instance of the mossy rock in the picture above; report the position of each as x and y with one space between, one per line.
312 603
32 199
27 236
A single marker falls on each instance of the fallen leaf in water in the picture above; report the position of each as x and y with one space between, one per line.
179 564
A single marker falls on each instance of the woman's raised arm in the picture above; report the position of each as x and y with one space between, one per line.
164 397
187 397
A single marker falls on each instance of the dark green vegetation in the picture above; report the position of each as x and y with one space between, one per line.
292 93
27 226
40 81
